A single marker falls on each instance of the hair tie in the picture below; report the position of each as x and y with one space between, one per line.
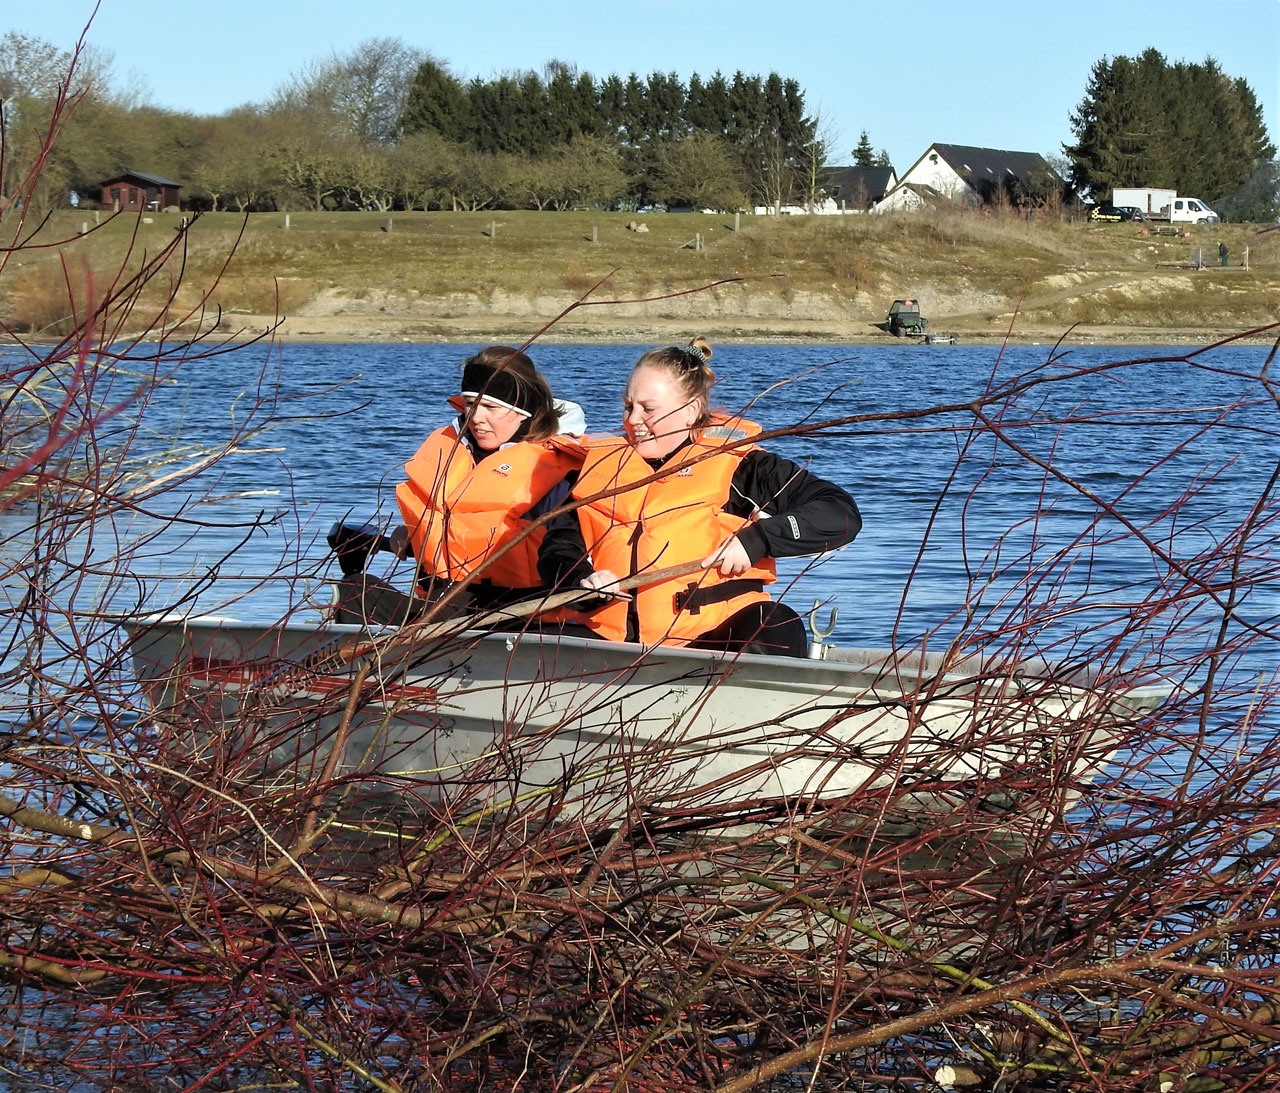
695 351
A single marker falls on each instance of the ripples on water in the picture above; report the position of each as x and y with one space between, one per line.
357 412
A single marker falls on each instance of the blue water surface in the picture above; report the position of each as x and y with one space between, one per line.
956 519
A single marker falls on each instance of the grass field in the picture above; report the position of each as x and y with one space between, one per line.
432 274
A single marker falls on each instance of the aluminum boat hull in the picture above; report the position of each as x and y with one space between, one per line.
506 716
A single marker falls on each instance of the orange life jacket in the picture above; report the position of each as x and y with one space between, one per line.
458 512
677 518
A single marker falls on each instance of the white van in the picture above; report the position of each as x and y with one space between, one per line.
1191 210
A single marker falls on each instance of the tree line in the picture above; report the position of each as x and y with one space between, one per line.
388 126
1146 122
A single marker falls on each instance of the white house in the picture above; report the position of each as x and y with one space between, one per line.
968 176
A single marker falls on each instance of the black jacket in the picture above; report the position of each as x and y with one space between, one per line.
801 514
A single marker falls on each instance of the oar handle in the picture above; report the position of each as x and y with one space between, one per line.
543 604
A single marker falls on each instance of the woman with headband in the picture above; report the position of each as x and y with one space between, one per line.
716 498
475 484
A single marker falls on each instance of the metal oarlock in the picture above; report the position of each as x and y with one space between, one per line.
817 650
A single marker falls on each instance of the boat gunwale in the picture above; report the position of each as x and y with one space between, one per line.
880 664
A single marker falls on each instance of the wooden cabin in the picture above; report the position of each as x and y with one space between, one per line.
136 191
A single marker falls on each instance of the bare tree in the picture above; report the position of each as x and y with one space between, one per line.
361 94
699 169
813 161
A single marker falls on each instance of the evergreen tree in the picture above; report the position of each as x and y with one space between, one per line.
863 154
565 117
634 113
746 110
437 104
664 105
1144 122
497 110
716 105
530 130
707 105
612 108
587 110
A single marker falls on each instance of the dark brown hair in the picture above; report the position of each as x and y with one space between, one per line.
688 367
507 374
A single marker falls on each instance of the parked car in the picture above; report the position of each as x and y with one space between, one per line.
1115 213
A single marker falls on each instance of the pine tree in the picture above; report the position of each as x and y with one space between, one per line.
496 114
665 104
864 155
437 103
1144 122
634 113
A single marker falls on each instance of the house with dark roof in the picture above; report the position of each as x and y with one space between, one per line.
857 189
843 190
973 178
136 191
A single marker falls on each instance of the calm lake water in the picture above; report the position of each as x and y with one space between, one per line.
943 506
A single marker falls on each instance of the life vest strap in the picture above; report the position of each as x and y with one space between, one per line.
696 596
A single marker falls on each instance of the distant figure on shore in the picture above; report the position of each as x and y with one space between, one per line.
1222 253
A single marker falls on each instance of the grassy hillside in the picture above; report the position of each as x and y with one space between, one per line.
436 275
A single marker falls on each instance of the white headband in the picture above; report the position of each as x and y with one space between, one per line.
458 402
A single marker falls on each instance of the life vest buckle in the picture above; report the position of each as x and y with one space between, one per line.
687 598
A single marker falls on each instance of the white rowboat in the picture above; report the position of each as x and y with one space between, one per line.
502 716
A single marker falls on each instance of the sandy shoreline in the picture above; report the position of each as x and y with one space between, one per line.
371 328
383 327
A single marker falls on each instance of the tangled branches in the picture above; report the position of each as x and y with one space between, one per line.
1007 865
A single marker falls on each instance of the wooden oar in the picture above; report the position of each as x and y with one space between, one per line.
339 654
542 604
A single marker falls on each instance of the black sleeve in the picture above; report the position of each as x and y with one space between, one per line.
799 513
562 557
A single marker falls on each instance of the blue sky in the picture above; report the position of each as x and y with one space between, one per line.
998 74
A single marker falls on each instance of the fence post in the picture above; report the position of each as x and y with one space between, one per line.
593 233
735 221
493 228
697 240
286 221
1245 263
388 227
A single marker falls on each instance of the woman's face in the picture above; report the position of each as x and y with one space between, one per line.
657 416
492 425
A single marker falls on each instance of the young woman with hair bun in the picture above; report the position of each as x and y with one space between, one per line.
725 501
